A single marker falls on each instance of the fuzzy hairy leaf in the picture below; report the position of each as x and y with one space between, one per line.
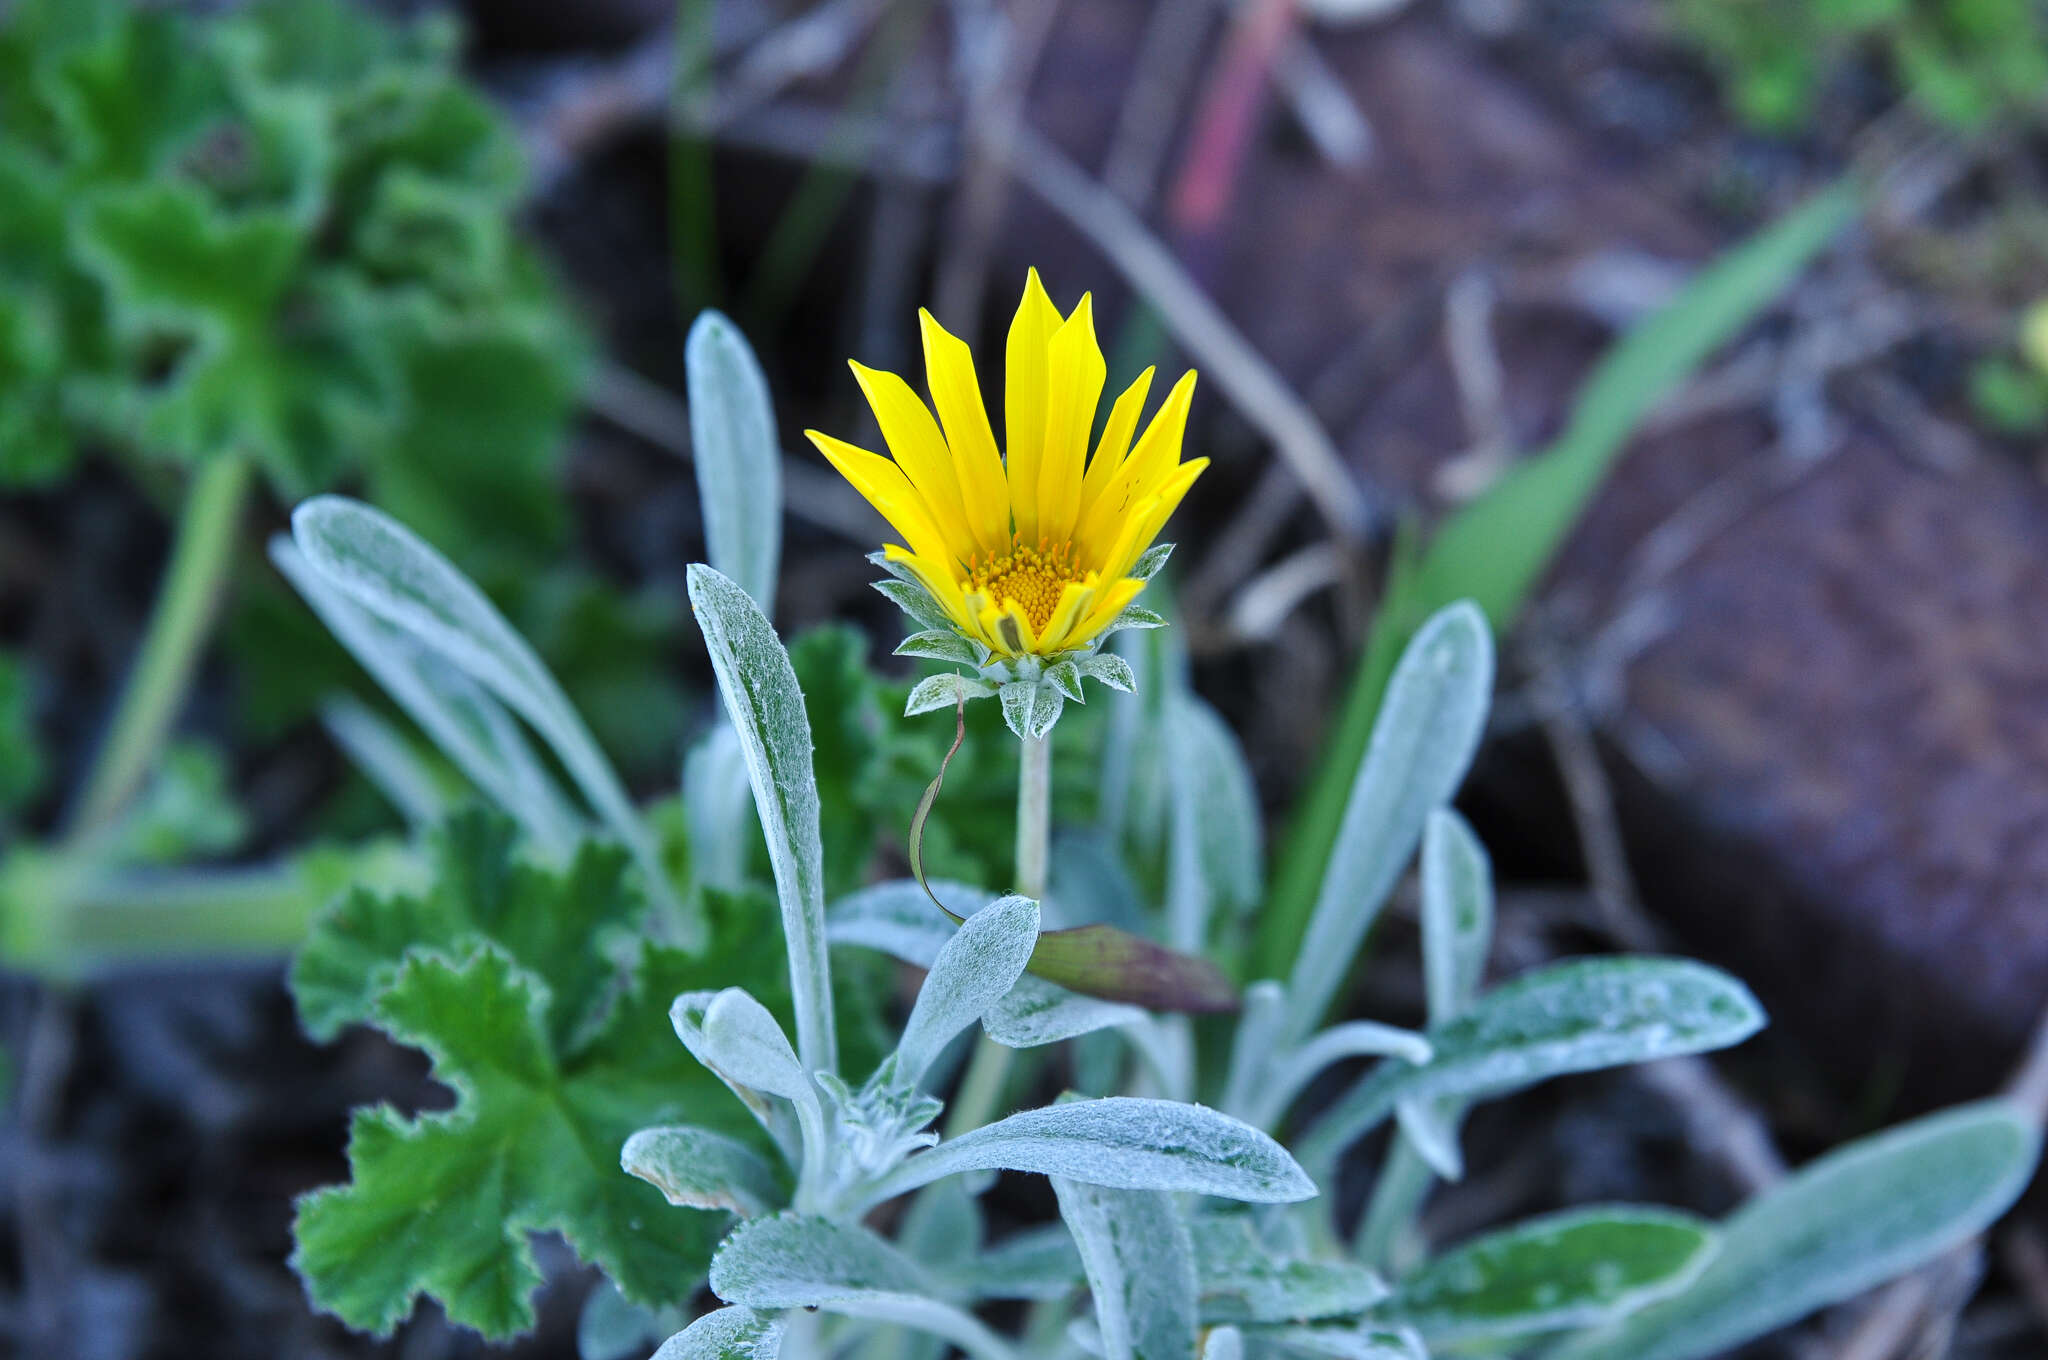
1122 1142
700 1169
972 972
734 1333
1576 1016
800 1261
1858 1216
766 706
1580 1268
1245 1280
738 460
1141 1268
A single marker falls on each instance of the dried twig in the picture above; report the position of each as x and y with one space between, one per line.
996 105
1158 88
1252 385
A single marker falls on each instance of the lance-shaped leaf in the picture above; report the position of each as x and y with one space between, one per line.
767 710
799 1261
1424 738
387 570
943 644
1036 1012
727 1334
699 1169
973 970
935 692
470 727
1864 1213
1122 1142
737 457
1343 1343
1141 1268
1244 1280
1576 1016
1581 1268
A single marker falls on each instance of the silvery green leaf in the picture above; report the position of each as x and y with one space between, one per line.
1065 676
942 644
1288 1077
1431 1126
387 570
1135 616
701 1169
897 918
1576 1016
1037 1263
1344 1343
1215 859
737 456
744 1041
1223 1343
976 967
1036 1012
728 1334
1140 1265
1110 669
1457 913
458 714
1151 560
935 692
1858 1216
1031 708
1581 1268
800 1261
1252 1047
388 759
686 1015
1122 1142
612 1327
900 570
1428 728
1244 1280
926 1314
718 801
913 599
767 710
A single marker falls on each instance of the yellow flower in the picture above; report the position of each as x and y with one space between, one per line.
1029 555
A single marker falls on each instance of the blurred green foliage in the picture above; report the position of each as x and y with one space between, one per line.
284 235
21 759
1961 61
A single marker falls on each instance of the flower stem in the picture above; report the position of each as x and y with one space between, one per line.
178 629
1034 816
982 1087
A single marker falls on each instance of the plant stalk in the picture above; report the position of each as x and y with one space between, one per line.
178 628
982 1087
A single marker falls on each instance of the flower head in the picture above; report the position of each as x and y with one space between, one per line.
1033 553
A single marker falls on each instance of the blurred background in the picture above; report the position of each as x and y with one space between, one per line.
1779 699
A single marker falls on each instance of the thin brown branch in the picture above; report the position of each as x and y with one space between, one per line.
1247 379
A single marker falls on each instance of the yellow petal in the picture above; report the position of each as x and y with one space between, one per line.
1024 379
1074 376
1116 439
889 491
1110 601
949 372
1148 517
1156 454
1074 601
1006 629
936 578
920 450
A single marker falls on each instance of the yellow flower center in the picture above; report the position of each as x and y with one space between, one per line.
1033 577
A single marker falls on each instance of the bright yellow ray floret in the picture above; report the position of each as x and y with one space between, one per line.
1029 554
